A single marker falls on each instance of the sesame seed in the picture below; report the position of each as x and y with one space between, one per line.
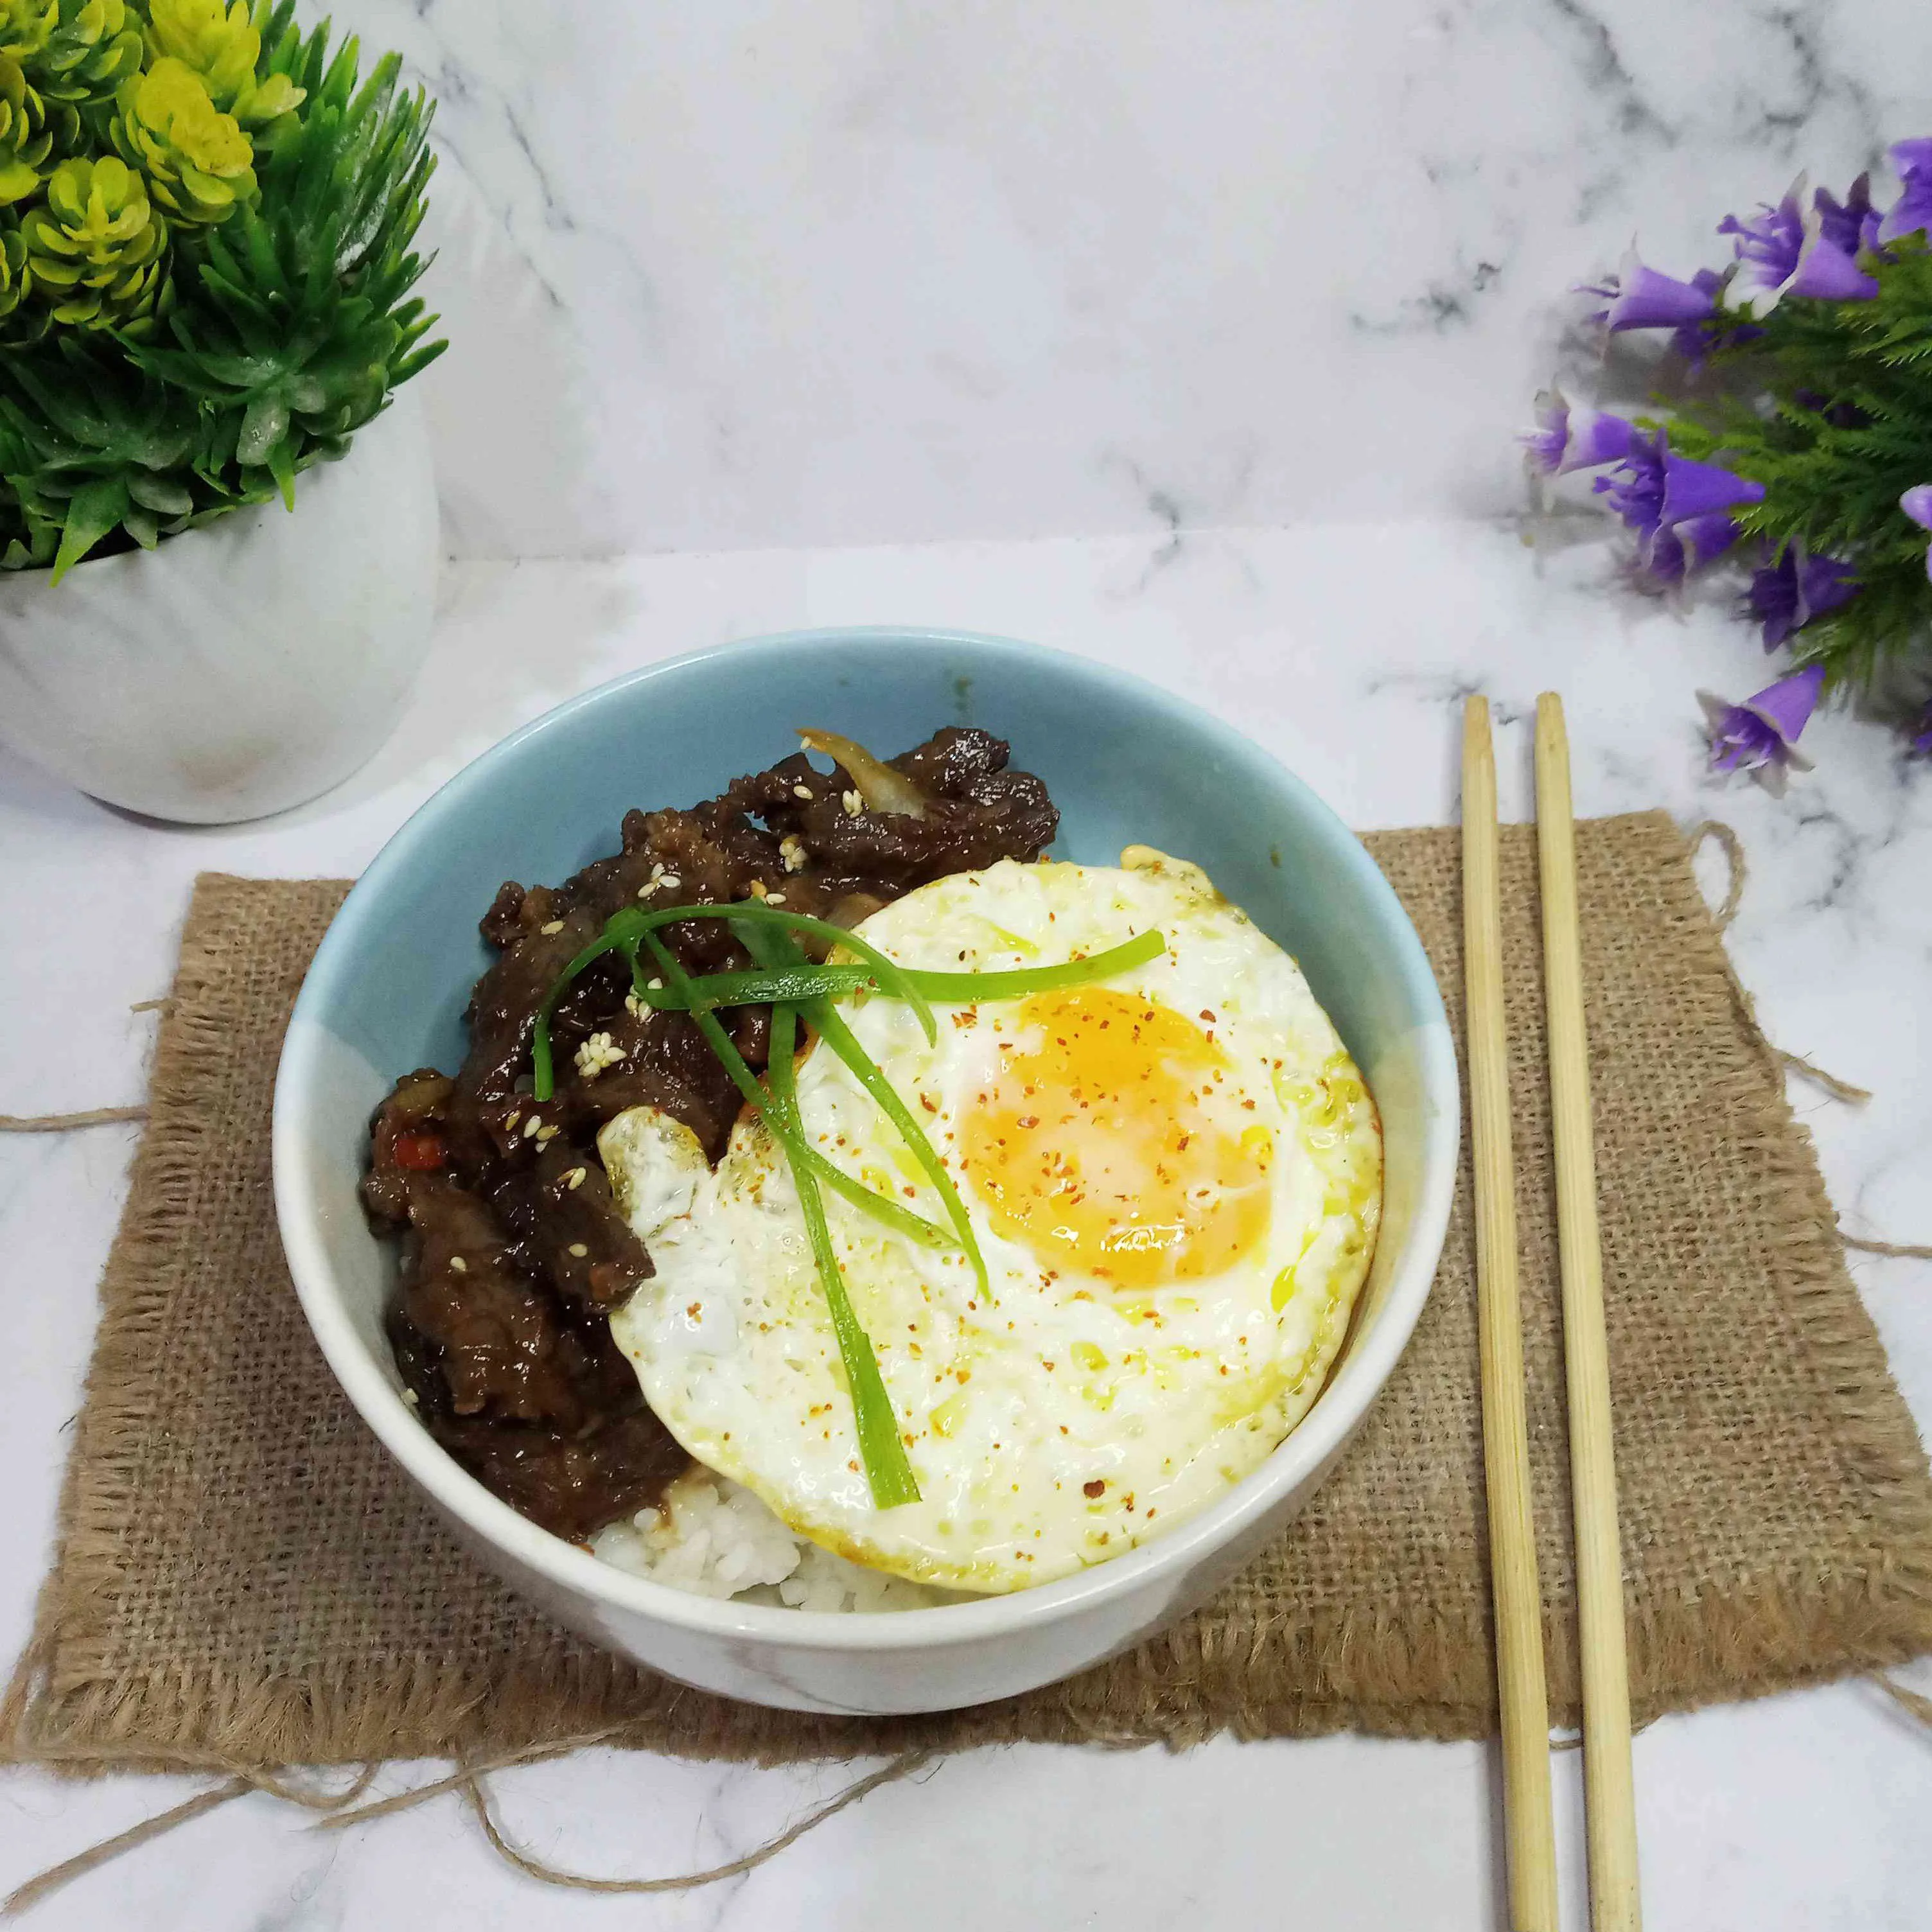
409 1397
546 1136
574 1179
510 1125
533 1125
654 985
555 926
801 791
774 898
792 853
457 1265
853 804
670 882
578 1248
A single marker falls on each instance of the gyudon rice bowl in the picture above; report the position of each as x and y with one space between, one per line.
842 1205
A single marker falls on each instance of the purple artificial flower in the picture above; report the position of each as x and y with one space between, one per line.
1694 340
1567 439
1637 491
1677 549
1787 251
1911 212
1785 595
1917 504
1655 491
1641 298
1699 489
1852 225
1922 743
1767 246
1759 735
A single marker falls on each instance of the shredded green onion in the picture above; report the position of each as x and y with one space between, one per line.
1017 981
892 977
880 1448
882 1207
626 928
543 1083
808 983
772 949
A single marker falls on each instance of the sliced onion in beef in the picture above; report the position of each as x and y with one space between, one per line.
882 788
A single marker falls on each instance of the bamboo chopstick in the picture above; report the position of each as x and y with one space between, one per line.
1519 1593
1611 1811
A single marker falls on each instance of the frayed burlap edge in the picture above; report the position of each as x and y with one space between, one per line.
1386 1674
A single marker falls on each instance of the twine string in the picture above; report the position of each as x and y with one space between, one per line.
51 1880
478 1795
1910 1251
469 1780
1733 848
1913 1702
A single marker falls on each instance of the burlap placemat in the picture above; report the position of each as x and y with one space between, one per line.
243 1579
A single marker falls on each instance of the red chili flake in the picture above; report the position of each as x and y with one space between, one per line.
1097 1487
420 1153
1206 1015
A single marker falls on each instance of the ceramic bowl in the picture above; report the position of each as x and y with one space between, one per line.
1127 762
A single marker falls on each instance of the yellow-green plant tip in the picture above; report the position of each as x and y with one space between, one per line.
223 46
199 164
95 246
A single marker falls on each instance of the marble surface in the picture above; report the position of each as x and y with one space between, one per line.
1344 648
746 275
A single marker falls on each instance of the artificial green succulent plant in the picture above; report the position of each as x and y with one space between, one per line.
205 226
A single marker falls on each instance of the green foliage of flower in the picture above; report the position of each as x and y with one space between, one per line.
205 283
1830 408
198 163
96 247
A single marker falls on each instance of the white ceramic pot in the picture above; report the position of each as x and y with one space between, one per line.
243 666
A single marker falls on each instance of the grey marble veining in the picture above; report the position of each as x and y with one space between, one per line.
747 276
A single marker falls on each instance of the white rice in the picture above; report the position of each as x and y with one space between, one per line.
714 1538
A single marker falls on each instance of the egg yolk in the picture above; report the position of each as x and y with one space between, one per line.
1115 1140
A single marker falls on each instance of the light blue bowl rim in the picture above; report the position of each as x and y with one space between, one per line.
1366 1365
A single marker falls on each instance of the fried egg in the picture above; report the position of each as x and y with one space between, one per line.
1174 1178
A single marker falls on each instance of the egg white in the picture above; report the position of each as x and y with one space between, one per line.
1058 1420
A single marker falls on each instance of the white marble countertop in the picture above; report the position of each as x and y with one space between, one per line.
1342 648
